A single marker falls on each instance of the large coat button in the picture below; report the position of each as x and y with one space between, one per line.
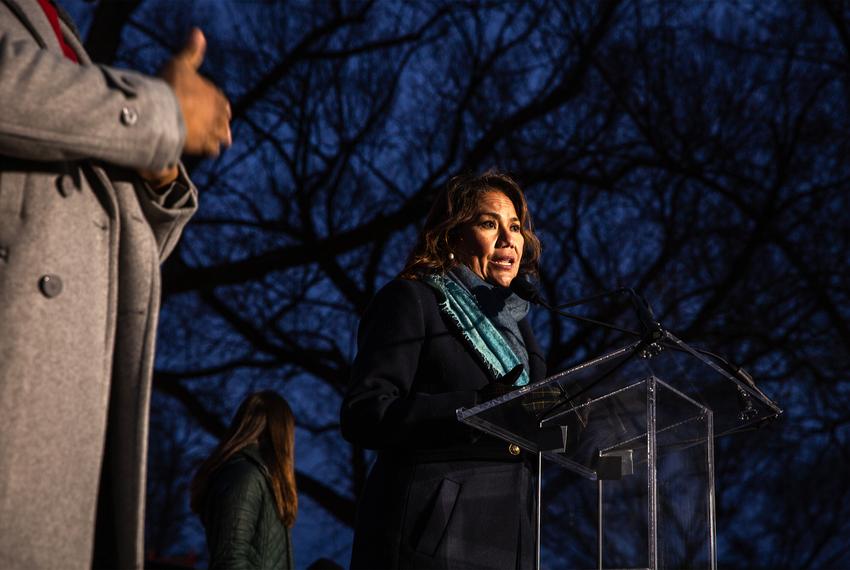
50 285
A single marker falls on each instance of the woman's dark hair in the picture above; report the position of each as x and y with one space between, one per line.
457 204
263 418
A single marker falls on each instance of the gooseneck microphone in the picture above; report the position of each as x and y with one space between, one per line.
652 331
526 290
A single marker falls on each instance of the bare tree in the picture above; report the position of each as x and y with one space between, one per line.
694 151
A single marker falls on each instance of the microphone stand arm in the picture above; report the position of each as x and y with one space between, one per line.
557 310
651 330
590 298
652 337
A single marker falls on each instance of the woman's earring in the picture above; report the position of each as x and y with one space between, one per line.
451 256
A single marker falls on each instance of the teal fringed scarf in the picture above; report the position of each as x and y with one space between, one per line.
459 304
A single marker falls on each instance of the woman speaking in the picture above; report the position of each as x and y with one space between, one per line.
441 495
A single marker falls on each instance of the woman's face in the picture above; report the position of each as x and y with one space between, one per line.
491 243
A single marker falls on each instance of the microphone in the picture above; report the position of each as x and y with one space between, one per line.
652 335
526 290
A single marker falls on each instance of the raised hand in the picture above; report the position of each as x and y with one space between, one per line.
206 111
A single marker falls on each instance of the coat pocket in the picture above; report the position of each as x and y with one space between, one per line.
438 519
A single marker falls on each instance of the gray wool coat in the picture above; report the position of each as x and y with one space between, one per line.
81 241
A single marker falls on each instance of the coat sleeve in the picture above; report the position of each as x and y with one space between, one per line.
52 109
232 515
384 408
168 209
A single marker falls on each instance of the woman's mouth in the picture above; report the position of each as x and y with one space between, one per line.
503 261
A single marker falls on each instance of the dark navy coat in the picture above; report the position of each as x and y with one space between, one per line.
440 495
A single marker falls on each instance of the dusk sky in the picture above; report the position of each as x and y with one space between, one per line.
693 150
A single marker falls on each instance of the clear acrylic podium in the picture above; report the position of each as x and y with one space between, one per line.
640 421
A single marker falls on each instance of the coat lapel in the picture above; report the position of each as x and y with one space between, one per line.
536 360
64 18
33 19
74 41
72 35
29 19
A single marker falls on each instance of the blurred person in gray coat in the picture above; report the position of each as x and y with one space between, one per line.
92 199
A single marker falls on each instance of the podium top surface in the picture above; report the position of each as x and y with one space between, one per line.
600 405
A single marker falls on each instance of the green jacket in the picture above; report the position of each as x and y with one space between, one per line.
240 519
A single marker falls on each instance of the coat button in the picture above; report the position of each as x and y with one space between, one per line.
129 116
66 185
50 285
513 449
